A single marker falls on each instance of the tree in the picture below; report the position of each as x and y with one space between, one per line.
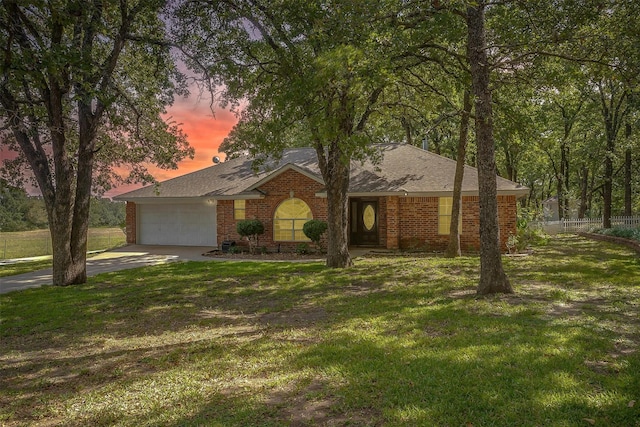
492 276
589 48
306 73
250 229
13 208
82 87
453 248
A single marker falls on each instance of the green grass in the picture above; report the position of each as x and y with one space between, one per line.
24 267
24 244
396 341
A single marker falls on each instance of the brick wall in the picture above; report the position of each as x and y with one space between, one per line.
403 222
507 218
390 223
418 223
130 219
276 191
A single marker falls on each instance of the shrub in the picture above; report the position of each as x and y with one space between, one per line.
314 229
527 233
512 243
626 233
303 249
250 229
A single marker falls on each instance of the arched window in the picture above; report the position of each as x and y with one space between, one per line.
288 220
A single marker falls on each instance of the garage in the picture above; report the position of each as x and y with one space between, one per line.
183 224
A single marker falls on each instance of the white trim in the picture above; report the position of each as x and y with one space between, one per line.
173 200
201 199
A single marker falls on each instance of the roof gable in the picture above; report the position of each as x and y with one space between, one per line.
283 169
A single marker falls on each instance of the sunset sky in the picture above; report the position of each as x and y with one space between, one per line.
205 133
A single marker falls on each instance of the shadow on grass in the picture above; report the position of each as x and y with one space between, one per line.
397 341
528 373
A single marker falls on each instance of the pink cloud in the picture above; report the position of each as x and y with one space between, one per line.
205 132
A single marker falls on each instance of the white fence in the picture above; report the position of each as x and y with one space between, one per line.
586 224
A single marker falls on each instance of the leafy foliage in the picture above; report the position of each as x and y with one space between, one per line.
303 249
18 211
626 233
83 86
250 229
314 230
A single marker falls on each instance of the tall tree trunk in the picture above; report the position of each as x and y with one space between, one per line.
563 184
560 193
584 189
627 174
627 183
406 125
492 276
614 112
564 169
335 172
70 224
607 188
453 249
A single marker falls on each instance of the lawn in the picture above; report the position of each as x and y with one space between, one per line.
24 267
22 244
394 341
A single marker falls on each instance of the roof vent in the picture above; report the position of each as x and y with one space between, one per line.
216 159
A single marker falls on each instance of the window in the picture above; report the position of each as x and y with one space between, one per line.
288 220
239 209
444 215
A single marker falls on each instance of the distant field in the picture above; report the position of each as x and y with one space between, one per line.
38 242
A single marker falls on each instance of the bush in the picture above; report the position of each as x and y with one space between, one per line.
250 229
625 233
527 234
303 249
314 229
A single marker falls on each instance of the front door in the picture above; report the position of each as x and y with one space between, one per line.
363 222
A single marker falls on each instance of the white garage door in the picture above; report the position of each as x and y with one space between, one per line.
177 224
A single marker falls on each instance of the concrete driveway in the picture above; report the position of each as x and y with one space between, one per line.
118 259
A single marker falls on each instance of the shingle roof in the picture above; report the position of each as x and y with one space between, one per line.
403 169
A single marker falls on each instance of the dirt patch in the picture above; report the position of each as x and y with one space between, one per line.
317 406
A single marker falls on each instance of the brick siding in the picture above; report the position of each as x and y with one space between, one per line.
276 191
418 223
403 222
130 220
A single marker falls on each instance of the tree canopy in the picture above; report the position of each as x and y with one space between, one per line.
83 85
